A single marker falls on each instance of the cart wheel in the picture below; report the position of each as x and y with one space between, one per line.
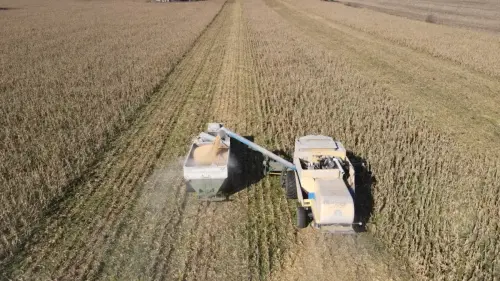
302 220
291 186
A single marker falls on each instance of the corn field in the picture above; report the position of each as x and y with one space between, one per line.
98 112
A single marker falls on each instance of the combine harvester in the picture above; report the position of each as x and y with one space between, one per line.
321 176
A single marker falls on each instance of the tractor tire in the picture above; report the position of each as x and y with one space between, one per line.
302 219
290 185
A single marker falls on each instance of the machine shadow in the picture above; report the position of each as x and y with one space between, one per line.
363 201
246 167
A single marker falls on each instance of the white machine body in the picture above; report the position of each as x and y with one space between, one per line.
325 182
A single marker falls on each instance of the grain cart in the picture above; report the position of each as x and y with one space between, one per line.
321 176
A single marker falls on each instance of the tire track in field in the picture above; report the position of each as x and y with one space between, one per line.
210 77
200 231
115 152
190 89
200 255
96 220
194 115
107 166
215 247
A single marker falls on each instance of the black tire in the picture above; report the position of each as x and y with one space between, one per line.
302 219
291 185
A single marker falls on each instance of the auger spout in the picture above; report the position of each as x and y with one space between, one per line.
258 148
